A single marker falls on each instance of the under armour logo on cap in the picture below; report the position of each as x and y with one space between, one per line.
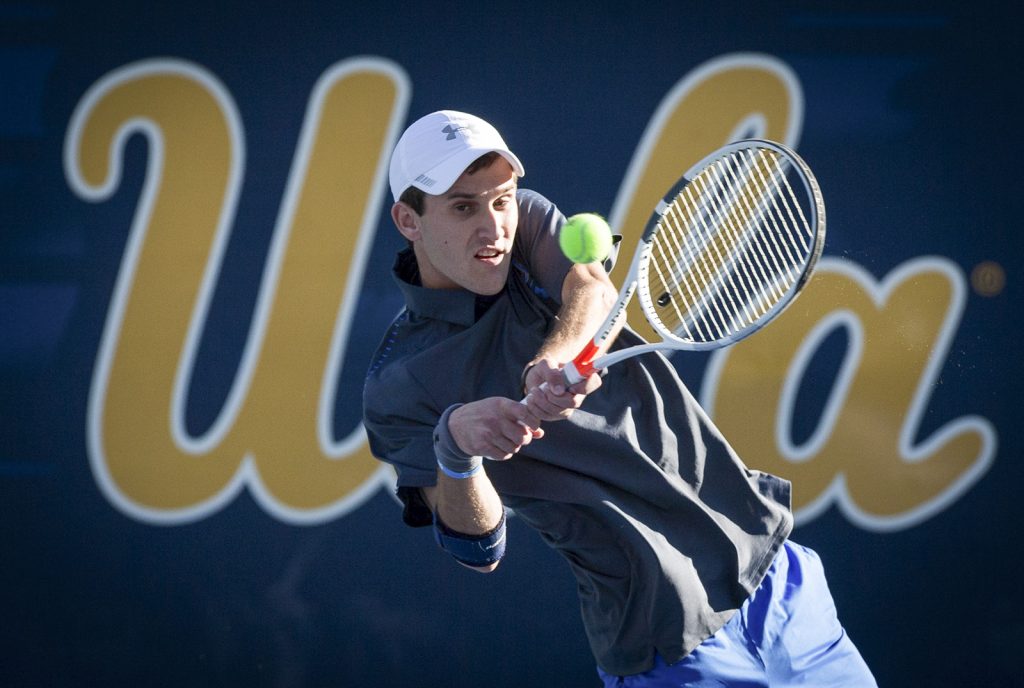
450 130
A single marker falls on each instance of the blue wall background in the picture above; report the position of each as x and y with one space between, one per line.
911 111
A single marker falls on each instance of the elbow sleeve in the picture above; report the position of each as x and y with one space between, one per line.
472 550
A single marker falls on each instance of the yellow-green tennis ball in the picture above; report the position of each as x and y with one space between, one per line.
585 238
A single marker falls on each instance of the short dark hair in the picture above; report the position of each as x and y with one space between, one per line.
416 198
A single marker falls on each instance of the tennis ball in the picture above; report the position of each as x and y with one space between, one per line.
585 238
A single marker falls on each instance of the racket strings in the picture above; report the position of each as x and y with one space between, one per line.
765 288
683 292
798 243
729 247
734 216
693 316
699 208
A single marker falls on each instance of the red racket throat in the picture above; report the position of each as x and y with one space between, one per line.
583 365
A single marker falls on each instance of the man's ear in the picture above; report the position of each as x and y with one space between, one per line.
406 220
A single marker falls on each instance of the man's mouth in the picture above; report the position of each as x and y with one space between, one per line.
490 254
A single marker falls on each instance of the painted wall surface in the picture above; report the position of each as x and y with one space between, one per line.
195 270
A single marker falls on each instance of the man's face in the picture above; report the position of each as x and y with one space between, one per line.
464 236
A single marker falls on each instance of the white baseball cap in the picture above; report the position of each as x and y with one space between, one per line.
437 148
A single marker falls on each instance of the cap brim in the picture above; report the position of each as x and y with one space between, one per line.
441 177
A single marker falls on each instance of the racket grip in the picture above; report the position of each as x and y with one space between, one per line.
575 370
568 381
569 374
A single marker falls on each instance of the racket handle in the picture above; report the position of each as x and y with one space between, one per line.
575 370
544 386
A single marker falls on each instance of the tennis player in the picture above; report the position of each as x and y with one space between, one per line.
685 572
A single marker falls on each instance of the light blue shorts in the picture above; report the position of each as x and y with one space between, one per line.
787 633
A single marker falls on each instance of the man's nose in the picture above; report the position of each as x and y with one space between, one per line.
493 224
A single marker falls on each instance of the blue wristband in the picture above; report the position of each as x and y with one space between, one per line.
452 461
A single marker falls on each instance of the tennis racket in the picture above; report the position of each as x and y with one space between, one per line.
726 251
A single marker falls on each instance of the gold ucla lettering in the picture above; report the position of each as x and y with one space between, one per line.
865 455
273 434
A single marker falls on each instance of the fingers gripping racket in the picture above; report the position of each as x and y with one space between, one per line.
727 249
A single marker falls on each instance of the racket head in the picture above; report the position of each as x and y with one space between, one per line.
731 245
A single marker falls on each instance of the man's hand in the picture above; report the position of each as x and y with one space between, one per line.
547 397
495 427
